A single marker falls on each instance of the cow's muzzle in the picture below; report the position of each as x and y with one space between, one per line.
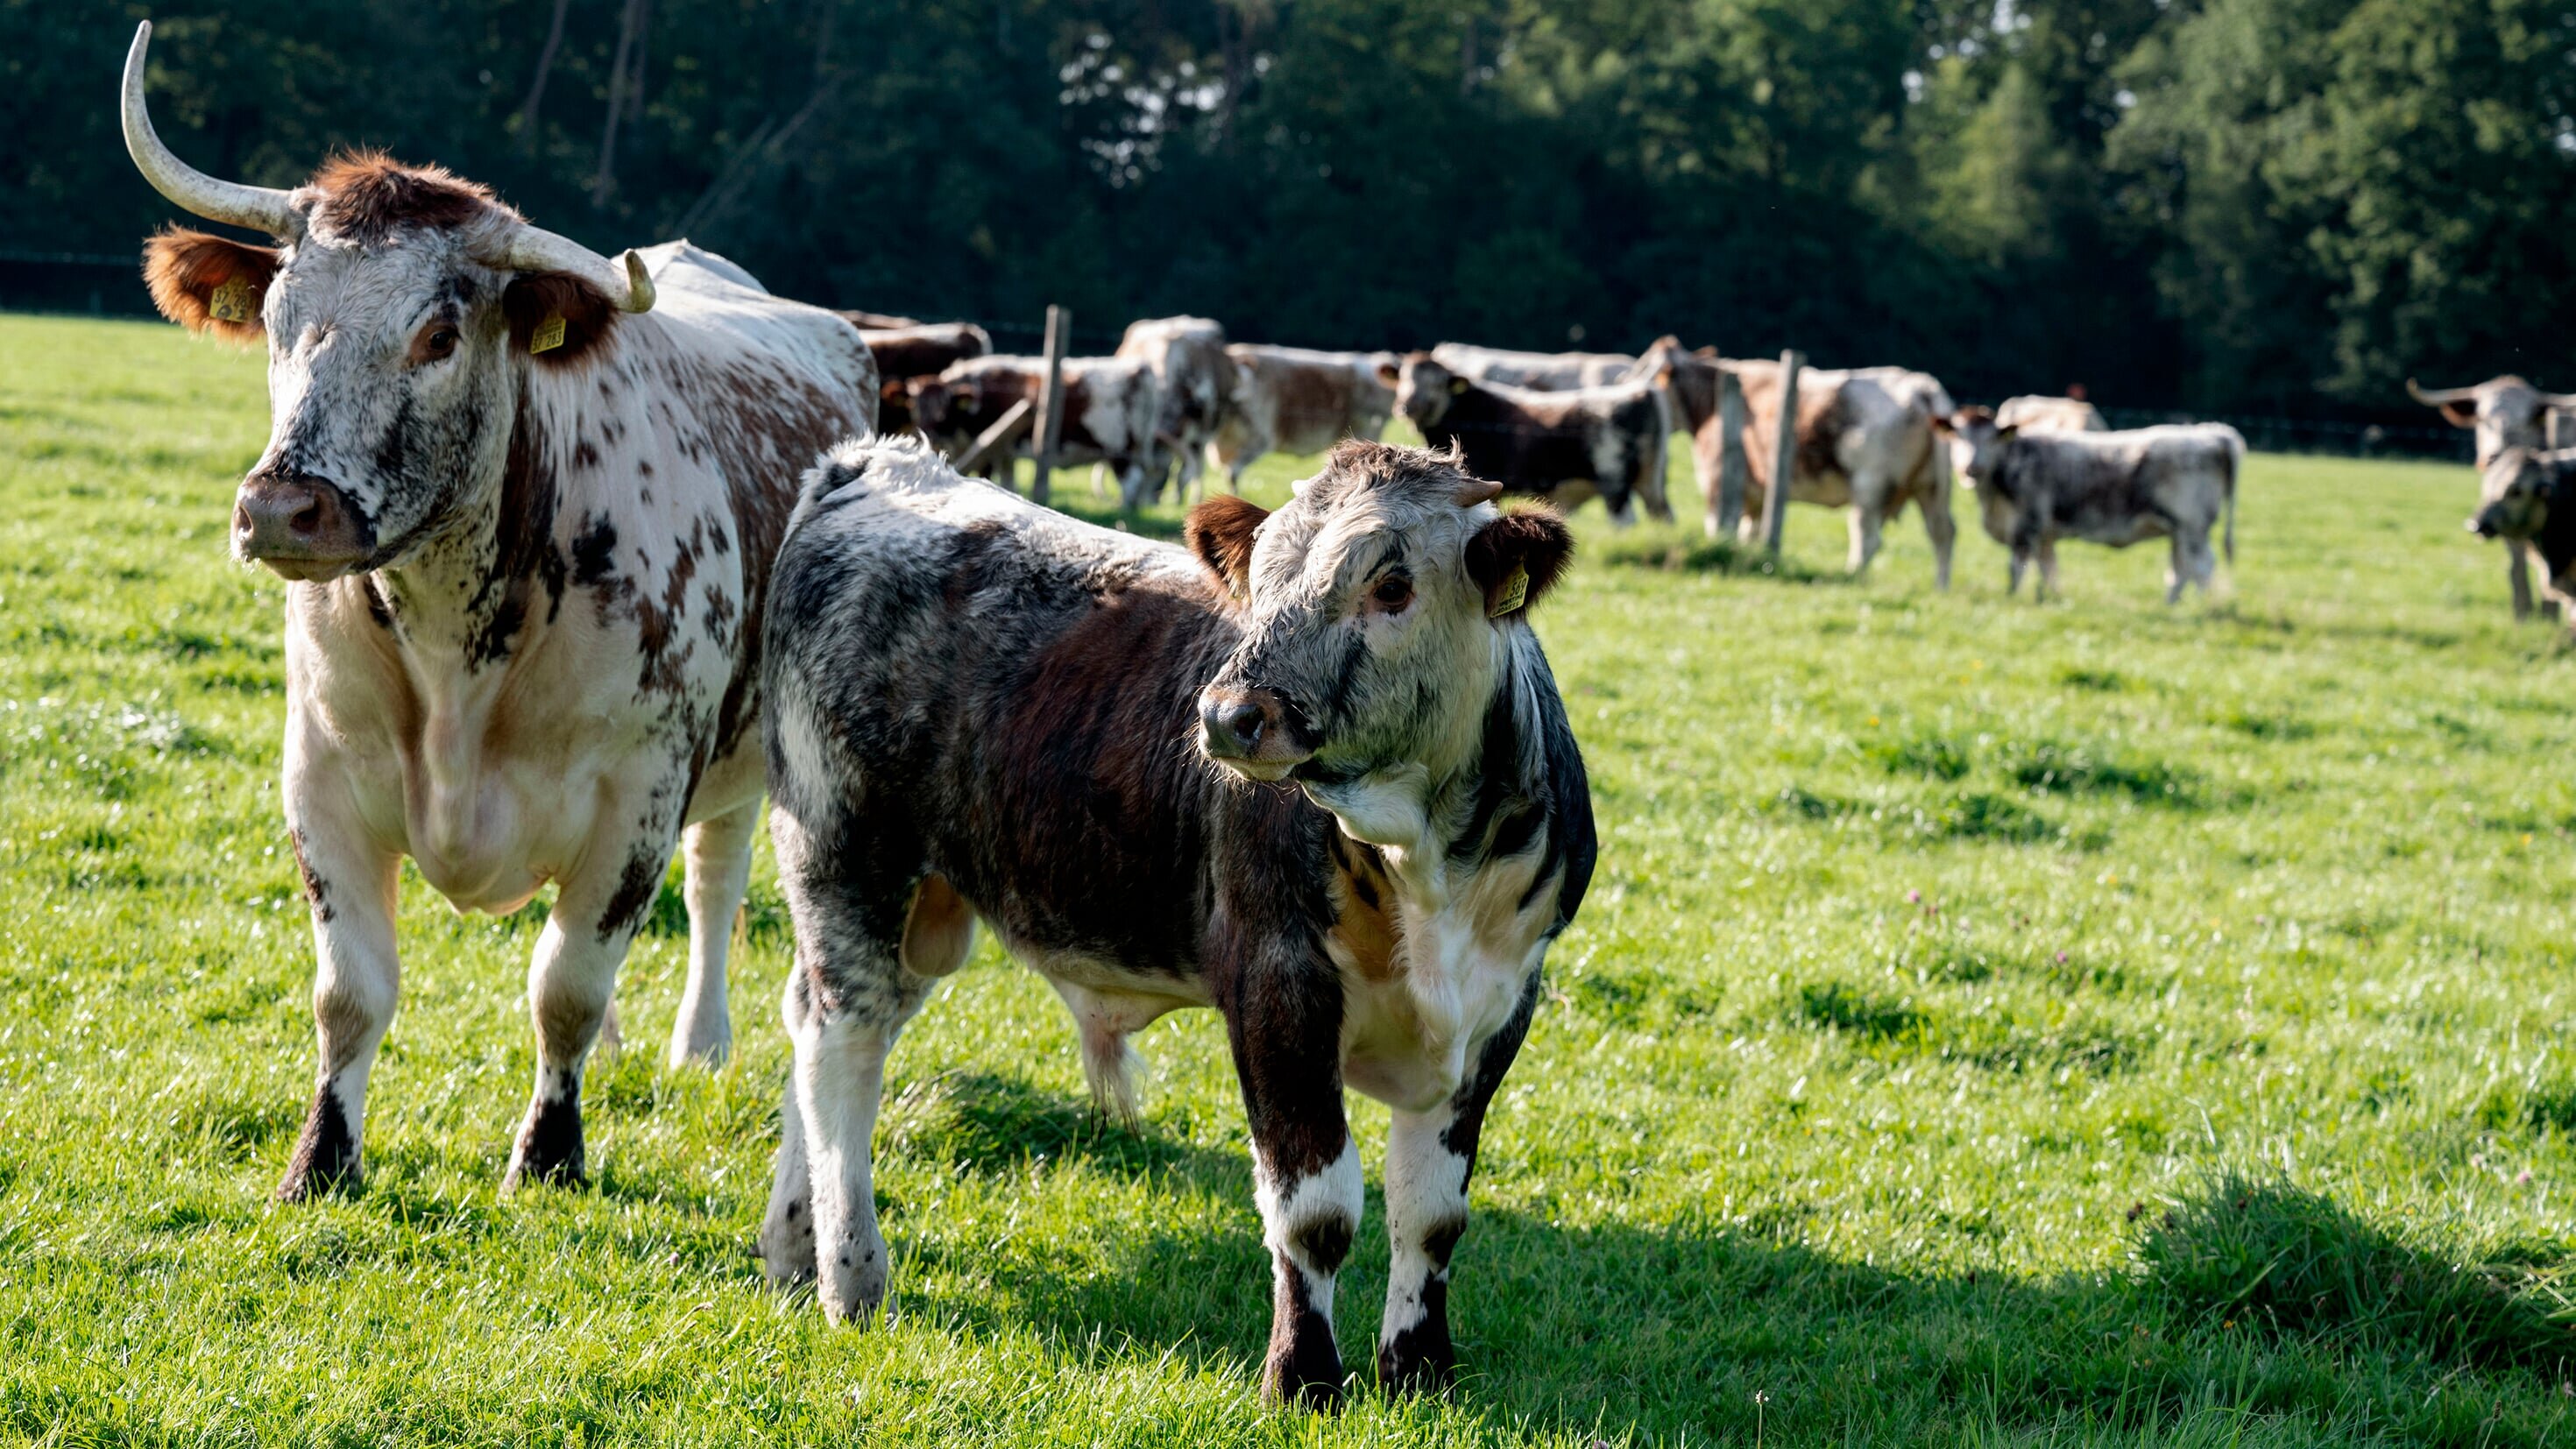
1247 731
301 526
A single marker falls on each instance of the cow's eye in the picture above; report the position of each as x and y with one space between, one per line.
437 343
1392 593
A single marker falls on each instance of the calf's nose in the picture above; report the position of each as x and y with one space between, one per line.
1235 723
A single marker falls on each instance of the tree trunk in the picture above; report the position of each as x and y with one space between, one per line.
630 32
545 67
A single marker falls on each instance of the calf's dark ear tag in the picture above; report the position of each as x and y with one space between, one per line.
230 302
1515 593
548 336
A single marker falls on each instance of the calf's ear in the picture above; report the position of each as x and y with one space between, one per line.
1518 557
208 283
1220 532
557 318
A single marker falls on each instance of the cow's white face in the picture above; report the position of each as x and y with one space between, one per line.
1975 442
1423 388
1372 604
2511 414
390 398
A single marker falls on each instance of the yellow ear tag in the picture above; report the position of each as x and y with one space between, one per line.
548 336
1515 593
230 302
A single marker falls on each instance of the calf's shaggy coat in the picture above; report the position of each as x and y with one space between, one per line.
980 707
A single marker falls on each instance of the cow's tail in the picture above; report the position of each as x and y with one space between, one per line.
2235 465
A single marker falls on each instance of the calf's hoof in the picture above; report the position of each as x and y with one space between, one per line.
326 1153
549 1149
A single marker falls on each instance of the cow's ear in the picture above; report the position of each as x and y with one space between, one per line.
1389 373
208 283
1220 532
2006 435
891 388
558 319
1518 557
1457 385
2463 414
1946 424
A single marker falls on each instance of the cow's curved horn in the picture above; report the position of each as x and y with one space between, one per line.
2437 397
534 249
1476 490
261 208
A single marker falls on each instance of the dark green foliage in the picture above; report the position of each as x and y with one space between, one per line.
2222 205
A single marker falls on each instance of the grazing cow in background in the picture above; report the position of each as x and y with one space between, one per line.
1535 371
1291 400
1865 441
528 525
1318 778
922 350
2108 488
1195 382
1561 446
2528 498
1108 411
2033 413
2504 412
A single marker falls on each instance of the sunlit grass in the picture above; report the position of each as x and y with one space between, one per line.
1992 1024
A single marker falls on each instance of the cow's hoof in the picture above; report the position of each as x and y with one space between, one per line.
786 1246
853 1285
549 1149
326 1153
700 1044
1417 1361
1323 1396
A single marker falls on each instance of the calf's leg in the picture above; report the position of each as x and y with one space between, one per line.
717 855
349 890
850 894
1944 533
1429 1158
1286 1031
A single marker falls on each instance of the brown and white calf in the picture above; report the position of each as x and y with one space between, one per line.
1865 442
1292 400
1317 777
528 525
2035 488
1109 406
925 349
1194 386
2505 412
1561 446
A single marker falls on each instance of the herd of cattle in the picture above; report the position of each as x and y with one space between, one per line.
1568 427
570 589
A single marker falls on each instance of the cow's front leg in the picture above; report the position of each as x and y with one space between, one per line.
1305 1169
349 890
717 855
2517 560
571 979
1866 529
1943 530
1429 1157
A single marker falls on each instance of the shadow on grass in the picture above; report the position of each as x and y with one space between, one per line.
987 1123
2255 1300
1711 556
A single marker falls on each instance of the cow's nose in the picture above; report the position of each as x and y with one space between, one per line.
1232 723
300 525
2482 526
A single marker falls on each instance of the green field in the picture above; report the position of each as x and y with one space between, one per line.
1991 1023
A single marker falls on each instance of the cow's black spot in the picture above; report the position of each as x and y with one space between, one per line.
393 452
594 551
637 885
1325 1242
315 890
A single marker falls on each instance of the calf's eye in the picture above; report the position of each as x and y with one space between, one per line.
437 343
1392 593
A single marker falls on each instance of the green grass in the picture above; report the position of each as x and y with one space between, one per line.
1998 1024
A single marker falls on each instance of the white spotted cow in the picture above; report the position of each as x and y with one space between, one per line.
1109 409
2116 489
1194 390
1293 400
526 500
1318 778
2506 412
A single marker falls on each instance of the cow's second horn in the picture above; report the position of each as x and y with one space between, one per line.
2434 399
260 208
629 287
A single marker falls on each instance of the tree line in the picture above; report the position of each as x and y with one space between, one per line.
2239 206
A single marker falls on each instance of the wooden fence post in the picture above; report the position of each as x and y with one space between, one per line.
1726 509
1784 453
1051 403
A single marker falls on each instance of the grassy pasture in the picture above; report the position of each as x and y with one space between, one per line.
1994 1024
